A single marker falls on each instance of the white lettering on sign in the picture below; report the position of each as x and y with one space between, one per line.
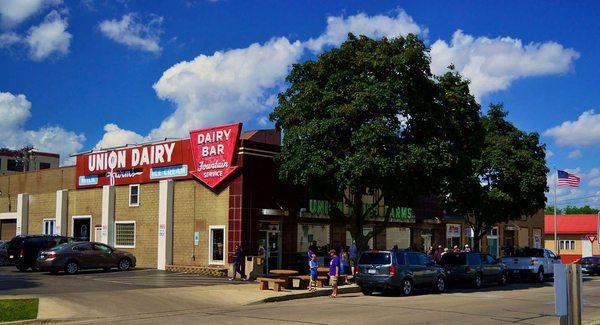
209 137
155 154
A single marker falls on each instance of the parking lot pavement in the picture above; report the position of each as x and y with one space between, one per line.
13 282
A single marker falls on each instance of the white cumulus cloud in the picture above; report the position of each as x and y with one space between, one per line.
584 132
13 12
114 136
15 111
361 24
9 39
575 154
134 33
494 63
50 38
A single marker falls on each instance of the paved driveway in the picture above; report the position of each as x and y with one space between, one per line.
13 282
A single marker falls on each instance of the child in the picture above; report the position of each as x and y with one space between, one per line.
313 265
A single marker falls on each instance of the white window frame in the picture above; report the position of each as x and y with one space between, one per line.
82 217
134 234
567 244
53 226
138 195
210 245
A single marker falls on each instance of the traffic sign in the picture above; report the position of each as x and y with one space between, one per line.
591 238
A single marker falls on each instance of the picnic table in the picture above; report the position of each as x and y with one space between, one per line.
284 275
323 270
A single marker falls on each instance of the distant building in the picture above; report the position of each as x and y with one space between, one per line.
577 236
15 161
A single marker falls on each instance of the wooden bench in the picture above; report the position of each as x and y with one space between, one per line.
263 283
305 280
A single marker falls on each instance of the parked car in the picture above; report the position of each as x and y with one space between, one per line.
589 265
23 250
3 252
534 263
72 257
398 270
473 268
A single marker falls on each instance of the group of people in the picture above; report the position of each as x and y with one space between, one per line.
437 253
339 264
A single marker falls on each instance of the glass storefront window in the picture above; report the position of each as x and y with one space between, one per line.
397 236
309 233
366 230
217 245
453 235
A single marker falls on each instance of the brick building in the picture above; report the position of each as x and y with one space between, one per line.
14 161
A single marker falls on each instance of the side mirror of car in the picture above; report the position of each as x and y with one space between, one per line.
557 257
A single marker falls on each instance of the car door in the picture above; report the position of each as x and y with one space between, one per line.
551 260
429 271
104 255
491 268
416 268
86 256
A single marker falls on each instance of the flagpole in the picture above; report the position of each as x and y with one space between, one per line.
555 230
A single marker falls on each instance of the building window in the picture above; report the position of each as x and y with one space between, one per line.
453 235
134 195
568 245
44 165
309 233
125 234
49 227
216 245
14 165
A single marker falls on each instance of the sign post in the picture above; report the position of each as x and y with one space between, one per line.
568 293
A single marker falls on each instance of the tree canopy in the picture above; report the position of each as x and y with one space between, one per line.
571 209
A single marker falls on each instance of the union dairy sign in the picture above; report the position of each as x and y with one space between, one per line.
214 151
208 156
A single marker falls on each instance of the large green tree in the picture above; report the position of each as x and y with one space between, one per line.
508 180
367 124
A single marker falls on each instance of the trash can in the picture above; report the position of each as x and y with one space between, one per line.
254 267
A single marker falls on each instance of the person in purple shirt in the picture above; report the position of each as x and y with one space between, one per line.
334 272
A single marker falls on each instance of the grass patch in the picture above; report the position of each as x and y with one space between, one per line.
18 309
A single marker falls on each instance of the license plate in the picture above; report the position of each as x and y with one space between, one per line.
372 271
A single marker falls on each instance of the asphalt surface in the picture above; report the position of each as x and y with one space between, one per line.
13 282
154 297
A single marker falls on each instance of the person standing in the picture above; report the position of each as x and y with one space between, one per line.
353 254
238 263
313 266
344 261
437 255
334 272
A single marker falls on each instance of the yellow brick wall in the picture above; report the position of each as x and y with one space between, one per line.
210 209
41 206
85 202
146 221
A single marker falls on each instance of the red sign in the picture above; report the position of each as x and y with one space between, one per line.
135 164
591 238
214 153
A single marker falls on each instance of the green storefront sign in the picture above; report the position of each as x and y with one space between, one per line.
321 207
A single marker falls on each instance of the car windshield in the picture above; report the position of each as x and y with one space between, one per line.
375 258
529 252
453 259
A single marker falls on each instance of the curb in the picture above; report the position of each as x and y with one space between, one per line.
305 295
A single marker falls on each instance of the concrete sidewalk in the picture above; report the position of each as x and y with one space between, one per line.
113 305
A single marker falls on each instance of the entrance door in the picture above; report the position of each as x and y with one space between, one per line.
8 229
82 228
270 240
586 247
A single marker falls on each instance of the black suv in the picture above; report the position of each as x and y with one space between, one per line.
473 268
401 269
23 250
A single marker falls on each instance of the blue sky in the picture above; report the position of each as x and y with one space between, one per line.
96 73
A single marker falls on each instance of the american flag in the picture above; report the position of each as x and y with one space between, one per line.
565 178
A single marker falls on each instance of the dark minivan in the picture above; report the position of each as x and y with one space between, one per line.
398 270
473 268
23 250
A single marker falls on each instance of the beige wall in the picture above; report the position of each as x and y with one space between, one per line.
209 209
146 221
85 202
41 206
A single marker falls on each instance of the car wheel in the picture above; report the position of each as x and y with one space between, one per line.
503 279
71 267
366 291
22 268
478 281
407 287
440 284
124 264
540 276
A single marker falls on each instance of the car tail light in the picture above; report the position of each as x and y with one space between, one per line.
468 269
392 270
22 252
51 255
